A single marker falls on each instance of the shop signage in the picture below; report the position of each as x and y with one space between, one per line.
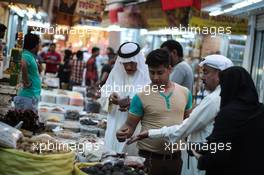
91 9
150 15
227 24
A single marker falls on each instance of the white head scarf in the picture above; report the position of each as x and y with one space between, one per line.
118 76
217 61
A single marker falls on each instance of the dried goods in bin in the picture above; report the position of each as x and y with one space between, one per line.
92 106
72 115
30 119
118 168
88 121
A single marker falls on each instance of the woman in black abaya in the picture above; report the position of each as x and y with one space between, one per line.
240 122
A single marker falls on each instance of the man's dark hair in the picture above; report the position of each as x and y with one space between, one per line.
31 41
158 57
171 45
45 44
95 49
111 56
67 54
2 27
111 50
52 44
79 55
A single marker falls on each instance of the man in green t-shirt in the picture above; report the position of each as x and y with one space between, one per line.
29 93
165 104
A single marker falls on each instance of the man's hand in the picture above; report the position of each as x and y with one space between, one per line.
122 134
25 79
140 136
196 155
114 98
128 129
40 68
124 109
98 83
124 104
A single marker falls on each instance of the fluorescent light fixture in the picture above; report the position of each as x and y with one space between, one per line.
234 7
114 28
216 13
38 24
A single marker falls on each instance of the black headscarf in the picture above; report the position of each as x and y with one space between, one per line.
239 103
237 86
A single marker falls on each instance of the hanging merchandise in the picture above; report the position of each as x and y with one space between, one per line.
150 15
63 12
15 60
91 9
67 6
113 14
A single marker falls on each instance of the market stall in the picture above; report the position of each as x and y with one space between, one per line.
61 139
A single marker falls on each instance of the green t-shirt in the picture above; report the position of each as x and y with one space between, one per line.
136 106
33 76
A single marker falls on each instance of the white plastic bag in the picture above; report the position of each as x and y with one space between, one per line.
9 135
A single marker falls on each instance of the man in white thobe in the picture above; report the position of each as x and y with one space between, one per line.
128 76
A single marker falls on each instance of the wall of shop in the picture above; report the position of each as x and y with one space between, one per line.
258 56
254 55
210 45
114 40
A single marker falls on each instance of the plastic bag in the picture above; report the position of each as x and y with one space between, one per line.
135 161
9 135
24 163
93 148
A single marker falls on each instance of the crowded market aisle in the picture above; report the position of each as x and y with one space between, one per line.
131 88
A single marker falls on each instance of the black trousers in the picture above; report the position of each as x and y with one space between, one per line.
162 165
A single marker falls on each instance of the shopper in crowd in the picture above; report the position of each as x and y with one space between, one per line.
182 72
29 94
65 69
86 54
43 51
165 104
110 53
52 60
2 34
101 60
198 126
240 124
2 30
2 47
129 71
106 70
77 68
91 68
